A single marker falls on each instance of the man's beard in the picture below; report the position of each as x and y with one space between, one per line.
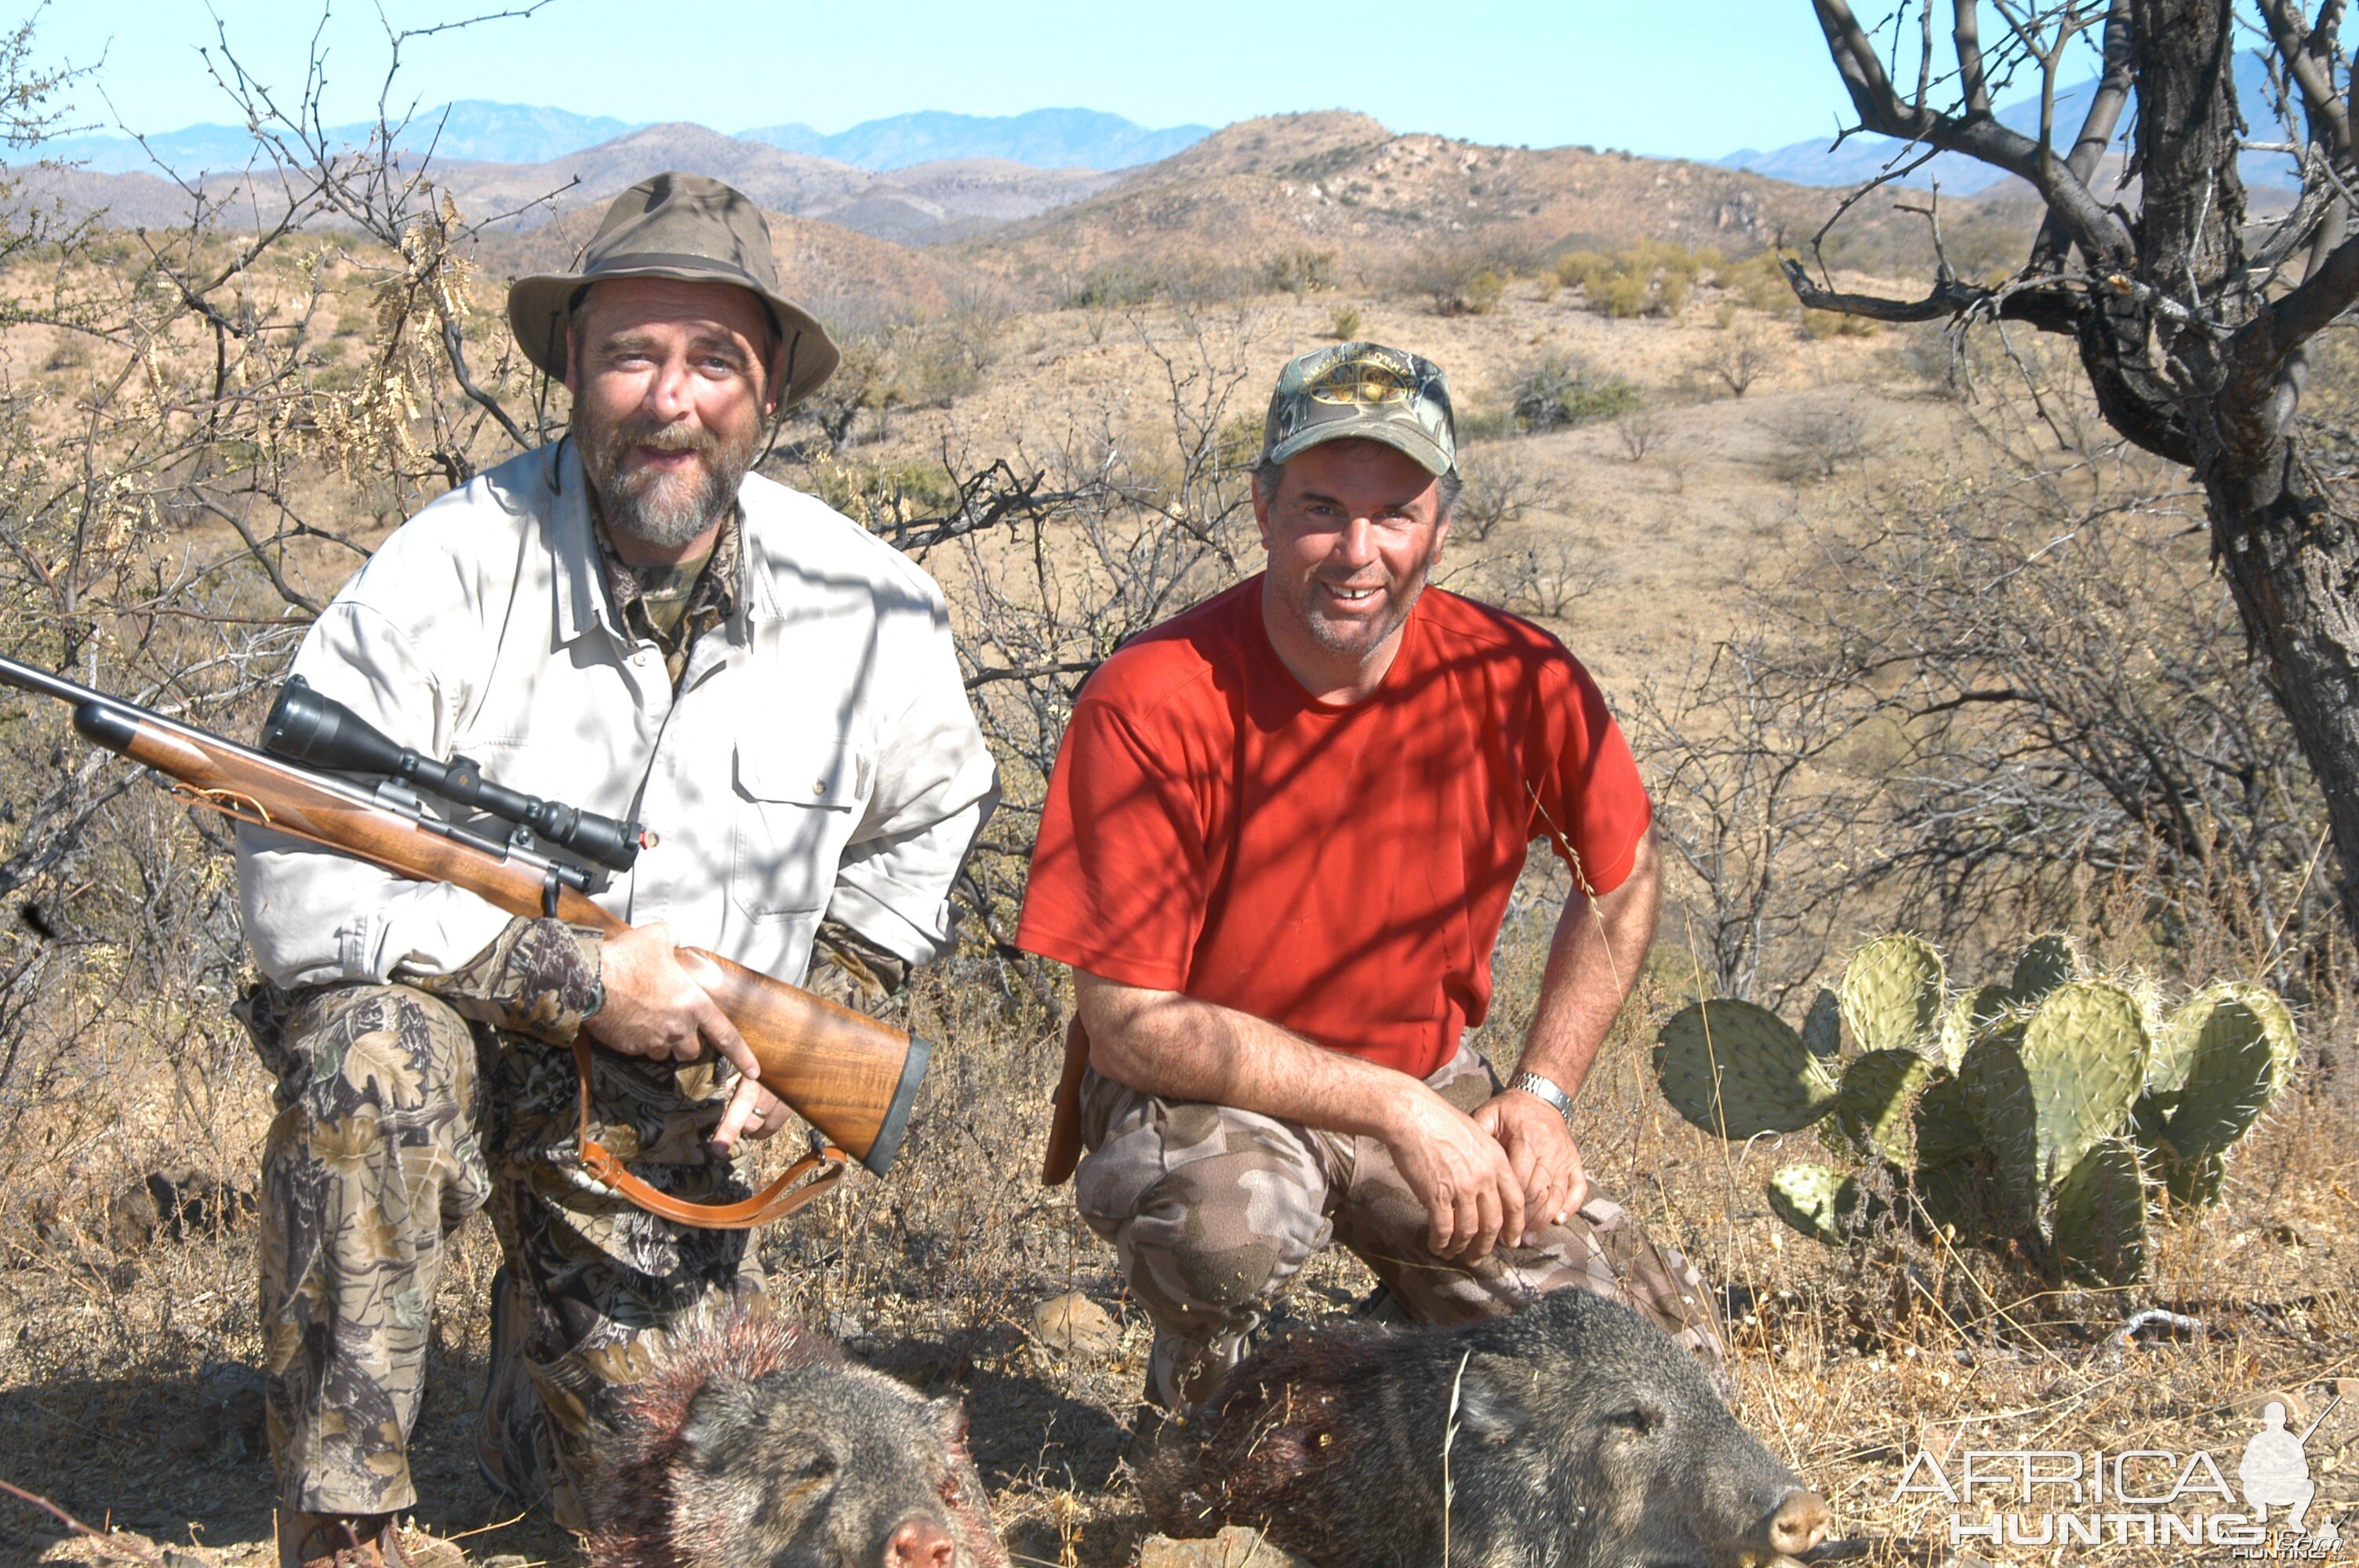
665 511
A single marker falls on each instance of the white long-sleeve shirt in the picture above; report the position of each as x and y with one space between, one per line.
819 758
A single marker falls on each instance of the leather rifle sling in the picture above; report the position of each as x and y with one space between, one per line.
776 1201
1065 1122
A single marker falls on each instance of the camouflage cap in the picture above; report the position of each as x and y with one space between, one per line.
1362 392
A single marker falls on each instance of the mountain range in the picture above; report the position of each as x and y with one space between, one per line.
473 130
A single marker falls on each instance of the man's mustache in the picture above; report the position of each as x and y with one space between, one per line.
673 437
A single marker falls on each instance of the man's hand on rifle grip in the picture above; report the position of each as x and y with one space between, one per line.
655 1007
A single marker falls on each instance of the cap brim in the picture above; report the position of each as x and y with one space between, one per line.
1419 447
537 309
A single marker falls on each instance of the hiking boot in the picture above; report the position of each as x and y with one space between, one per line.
342 1541
363 1541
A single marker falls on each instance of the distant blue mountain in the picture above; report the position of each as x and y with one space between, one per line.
473 130
1045 138
1863 157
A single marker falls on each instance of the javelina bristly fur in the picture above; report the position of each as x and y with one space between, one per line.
1581 1438
753 1443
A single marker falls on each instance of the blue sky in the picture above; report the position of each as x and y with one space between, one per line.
1697 79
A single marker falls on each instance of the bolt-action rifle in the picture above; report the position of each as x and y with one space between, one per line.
326 775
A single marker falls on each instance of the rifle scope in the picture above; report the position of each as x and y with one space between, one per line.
309 728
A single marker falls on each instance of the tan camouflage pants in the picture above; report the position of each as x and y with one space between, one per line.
1214 1209
396 1120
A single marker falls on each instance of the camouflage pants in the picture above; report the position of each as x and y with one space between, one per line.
396 1120
1214 1209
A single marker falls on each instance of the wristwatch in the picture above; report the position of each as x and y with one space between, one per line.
1545 1089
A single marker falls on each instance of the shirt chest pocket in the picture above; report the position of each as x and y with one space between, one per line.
798 800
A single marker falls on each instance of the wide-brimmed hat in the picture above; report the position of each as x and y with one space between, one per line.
1362 392
686 226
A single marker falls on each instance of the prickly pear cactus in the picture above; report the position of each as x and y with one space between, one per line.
2057 1111
1822 1204
2195 1184
2228 1077
1945 1128
2084 1055
1736 1071
1891 993
2047 962
1876 1104
2097 1229
1973 1013
1822 1026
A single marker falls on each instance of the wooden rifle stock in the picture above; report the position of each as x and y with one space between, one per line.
849 1075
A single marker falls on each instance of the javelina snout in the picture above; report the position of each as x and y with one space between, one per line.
753 1443
1570 1434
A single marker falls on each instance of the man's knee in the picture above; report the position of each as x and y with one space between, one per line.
1219 1233
377 1096
390 1049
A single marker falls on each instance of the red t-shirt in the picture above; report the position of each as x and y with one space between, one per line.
1339 870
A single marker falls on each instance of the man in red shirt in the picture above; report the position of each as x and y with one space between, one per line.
1277 849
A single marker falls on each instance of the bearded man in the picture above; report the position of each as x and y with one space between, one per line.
632 621
1277 850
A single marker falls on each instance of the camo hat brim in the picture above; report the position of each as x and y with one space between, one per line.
692 228
1362 392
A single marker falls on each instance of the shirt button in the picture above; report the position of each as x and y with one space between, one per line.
820 787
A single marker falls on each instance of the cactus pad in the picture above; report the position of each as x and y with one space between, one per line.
1824 1205
1876 1100
2098 1233
1996 1092
1766 1081
2229 1078
1973 1013
2047 962
2084 1055
1822 1027
2196 1184
1945 1129
1891 993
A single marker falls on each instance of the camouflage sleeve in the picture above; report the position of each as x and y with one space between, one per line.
846 968
537 978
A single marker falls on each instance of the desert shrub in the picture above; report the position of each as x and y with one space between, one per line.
1343 323
1559 391
1299 271
1620 296
1503 488
1818 324
1760 281
1110 286
1647 278
1814 443
1468 280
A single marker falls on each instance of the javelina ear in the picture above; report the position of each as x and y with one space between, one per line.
719 1418
1489 1409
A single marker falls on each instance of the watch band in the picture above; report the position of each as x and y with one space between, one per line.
1542 1088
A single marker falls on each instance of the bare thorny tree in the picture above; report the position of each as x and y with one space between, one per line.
2192 325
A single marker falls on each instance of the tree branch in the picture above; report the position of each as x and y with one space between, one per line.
2098 231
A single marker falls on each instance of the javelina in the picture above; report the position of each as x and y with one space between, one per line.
1580 1436
753 1443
